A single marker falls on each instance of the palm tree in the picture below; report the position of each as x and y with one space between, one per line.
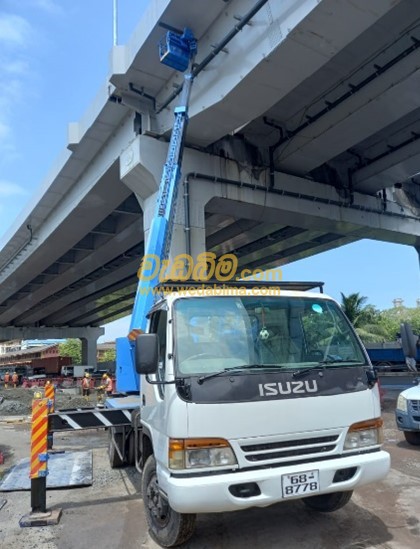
352 306
365 318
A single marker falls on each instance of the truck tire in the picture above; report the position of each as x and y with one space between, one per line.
412 438
408 340
327 503
167 527
114 459
131 453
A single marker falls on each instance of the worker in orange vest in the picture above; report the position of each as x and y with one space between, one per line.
6 380
15 379
105 388
107 384
86 386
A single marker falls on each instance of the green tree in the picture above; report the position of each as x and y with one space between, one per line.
414 319
365 318
108 355
353 306
71 348
391 320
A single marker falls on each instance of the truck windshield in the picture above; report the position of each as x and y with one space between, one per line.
277 332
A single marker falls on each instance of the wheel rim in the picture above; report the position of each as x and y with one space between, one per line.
158 507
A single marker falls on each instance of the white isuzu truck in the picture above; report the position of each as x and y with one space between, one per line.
252 395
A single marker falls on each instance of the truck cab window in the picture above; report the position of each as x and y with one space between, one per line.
327 335
286 332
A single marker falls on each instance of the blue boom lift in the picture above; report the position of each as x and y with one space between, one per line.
177 51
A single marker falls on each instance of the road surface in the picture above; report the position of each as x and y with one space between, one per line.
110 515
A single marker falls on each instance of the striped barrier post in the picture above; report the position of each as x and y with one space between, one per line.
49 391
38 468
39 456
50 394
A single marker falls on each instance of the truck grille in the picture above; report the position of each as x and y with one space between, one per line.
415 405
415 409
289 448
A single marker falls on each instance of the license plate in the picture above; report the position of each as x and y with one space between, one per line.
300 484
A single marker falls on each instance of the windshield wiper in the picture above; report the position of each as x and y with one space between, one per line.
339 359
232 369
321 365
305 371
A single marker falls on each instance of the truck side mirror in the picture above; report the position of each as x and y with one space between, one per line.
147 353
372 377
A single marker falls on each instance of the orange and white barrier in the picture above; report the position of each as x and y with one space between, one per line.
39 454
38 472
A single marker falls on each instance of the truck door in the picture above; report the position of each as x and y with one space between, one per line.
153 403
158 325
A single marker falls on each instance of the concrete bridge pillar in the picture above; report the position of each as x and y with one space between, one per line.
189 232
89 350
141 169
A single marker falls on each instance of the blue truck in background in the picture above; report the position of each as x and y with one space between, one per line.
400 355
388 356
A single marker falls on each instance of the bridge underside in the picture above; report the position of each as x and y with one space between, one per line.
88 294
304 136
95 281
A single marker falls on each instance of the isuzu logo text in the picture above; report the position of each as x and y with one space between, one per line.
287 388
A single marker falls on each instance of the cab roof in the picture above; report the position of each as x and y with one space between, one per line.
171 292
297 286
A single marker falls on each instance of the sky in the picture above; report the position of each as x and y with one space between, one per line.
53 59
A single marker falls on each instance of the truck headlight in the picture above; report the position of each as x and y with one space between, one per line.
402 403
194 453
364 434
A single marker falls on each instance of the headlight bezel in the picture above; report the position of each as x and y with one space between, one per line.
209 453
364 434
402 403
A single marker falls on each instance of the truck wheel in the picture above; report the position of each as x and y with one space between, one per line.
167 527
328 502
114 459
412 438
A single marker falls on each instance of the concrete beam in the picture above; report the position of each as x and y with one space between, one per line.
82 201
128 237
85 311
393 168
351 222
50 332
357 118
292 38
317 208
71 177
89 291
294 201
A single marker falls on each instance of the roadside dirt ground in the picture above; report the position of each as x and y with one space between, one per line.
18 401
109 514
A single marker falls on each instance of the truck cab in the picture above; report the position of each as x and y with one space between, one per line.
251 396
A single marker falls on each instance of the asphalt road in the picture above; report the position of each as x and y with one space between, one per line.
110 515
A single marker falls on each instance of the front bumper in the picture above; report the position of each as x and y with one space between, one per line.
406 422
210 494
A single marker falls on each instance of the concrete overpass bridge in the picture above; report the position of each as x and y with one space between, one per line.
304 135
